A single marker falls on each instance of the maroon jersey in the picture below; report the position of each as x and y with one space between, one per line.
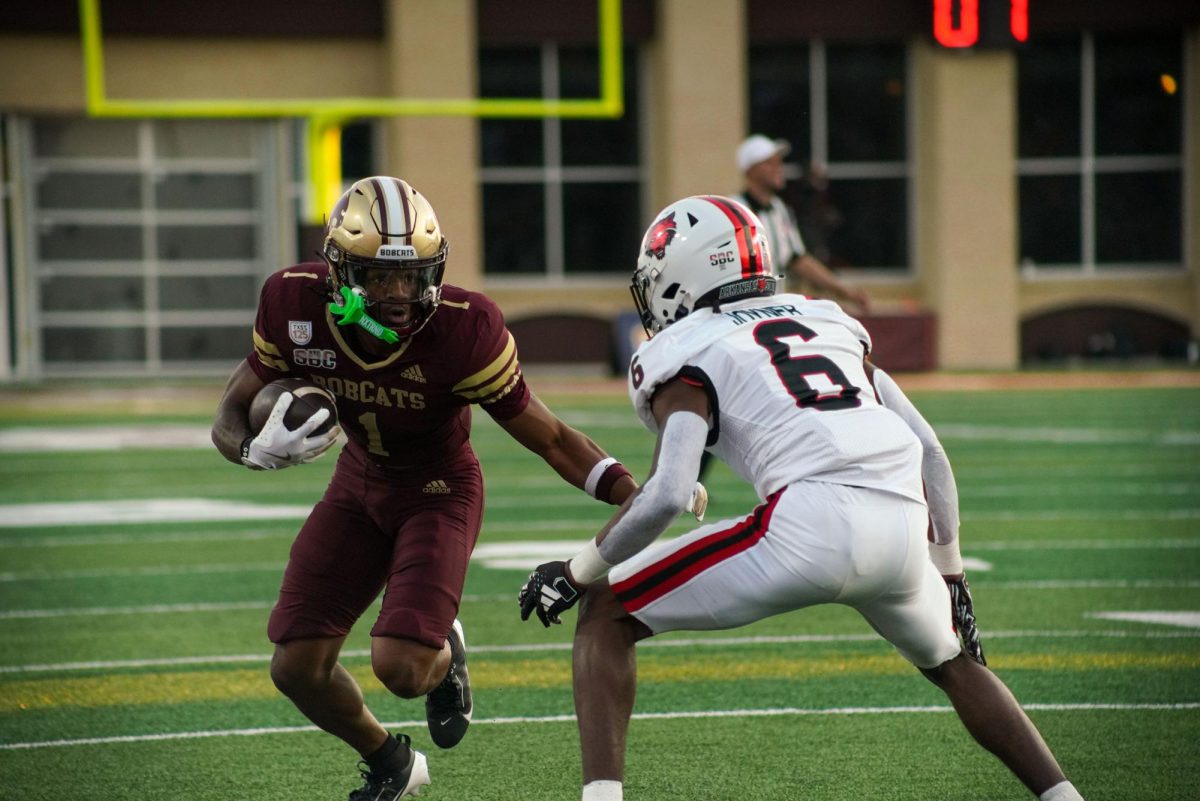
407 408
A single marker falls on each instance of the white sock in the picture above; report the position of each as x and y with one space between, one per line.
1063 791
603 790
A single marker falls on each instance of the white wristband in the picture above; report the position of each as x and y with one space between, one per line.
587 565
946 558
593 478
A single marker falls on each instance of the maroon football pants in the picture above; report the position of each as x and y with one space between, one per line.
410 531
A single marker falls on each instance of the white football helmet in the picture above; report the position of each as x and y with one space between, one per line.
701 251
382 223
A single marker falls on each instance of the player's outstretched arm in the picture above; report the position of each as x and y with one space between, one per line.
574 456
682 413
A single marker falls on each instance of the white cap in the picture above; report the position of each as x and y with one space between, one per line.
758 148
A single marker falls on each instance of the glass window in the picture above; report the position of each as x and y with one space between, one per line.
1048 99
843 109
205 291
866 103
93 293
1140 108
870 239
1049 218
561 197
1137 217
780 94
204 343
1100 167
90 242
603 225
513 228
82 345
186 242
83 190
206 191
358 151
510 72
597 142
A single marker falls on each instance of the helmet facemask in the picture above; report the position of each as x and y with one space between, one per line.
400 295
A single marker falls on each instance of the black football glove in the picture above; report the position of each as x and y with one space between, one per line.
549 592
964 617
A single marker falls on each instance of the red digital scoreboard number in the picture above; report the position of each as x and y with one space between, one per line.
971 23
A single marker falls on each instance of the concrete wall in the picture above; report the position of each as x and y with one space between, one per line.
965 179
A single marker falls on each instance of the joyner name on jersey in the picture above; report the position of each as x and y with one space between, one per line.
741 316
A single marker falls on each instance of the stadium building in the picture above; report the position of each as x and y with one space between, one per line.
1016 183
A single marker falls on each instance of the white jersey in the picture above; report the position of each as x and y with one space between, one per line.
789 395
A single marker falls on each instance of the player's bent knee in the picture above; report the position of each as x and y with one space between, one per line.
294 675
408 670
951 671
600 604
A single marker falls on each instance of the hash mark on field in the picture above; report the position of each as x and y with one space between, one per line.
714 713
1185 619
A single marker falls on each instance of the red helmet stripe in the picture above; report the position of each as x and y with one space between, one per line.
751 262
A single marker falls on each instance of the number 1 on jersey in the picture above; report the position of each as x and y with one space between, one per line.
374 438
816 382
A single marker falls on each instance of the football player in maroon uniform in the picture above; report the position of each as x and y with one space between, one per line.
405 357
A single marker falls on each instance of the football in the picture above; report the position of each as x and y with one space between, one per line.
308 399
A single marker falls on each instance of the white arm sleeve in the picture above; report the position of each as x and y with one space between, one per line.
941 491
665 494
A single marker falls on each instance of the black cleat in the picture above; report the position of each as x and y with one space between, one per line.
407 782
448 706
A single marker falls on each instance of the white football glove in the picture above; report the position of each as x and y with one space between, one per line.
276 447
698 502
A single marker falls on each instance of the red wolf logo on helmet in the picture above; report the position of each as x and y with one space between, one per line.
660 236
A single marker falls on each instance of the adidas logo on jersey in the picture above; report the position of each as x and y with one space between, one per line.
413 373
436 487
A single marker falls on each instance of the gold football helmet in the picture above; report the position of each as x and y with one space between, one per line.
383 243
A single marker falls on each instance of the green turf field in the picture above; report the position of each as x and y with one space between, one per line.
133 656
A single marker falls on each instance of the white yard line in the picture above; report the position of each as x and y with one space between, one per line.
152 570
152 609
1104 515
505 721
158 510
517 648
125 538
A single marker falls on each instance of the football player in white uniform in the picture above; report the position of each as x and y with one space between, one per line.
779 387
